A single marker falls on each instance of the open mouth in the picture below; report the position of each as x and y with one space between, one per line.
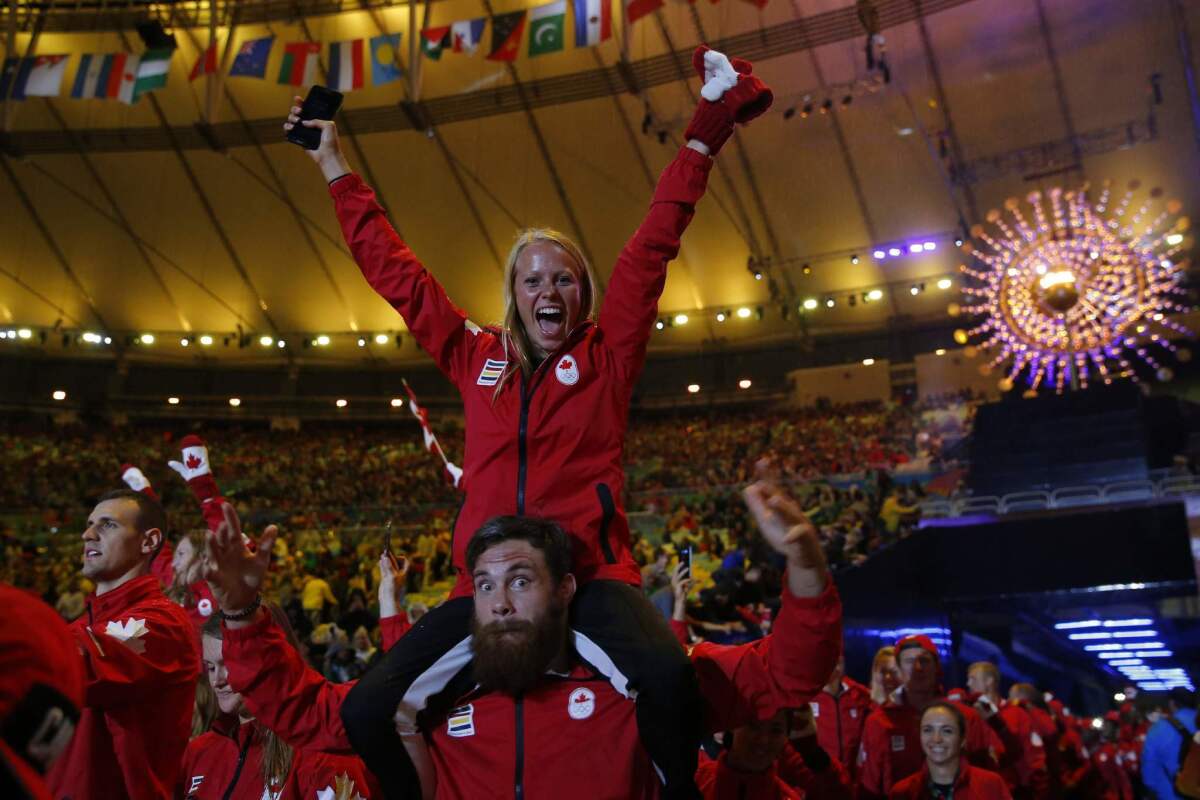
89 553
551 320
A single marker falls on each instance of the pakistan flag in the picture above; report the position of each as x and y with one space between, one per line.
546 28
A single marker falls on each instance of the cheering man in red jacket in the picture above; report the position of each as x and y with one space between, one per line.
542 720
140 662
891 743
1025 769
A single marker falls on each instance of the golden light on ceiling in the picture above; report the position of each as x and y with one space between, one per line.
1071 291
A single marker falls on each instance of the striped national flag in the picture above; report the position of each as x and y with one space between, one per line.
106 76
346 65
593 22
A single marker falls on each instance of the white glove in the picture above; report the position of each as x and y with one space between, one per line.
719 76
135 479
195 462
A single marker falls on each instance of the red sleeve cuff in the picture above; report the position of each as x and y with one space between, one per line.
685 179
349 182
250 632
826 599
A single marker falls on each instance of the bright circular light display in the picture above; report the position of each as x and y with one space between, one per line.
1071 291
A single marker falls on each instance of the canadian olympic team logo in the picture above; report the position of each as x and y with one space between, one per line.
567 371
581 704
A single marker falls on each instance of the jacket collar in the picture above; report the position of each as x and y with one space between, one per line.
111 604
961 781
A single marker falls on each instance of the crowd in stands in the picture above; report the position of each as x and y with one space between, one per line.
899 733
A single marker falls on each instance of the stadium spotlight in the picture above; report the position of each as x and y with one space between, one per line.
362 342
875 294
944 284
235 401
810 304
381 338
681 319
744 383
206 340
693 388
806 269
174 401
941 351
147 338
397 402
914 290
658 326
868 362
281 343
341 403
854 258
744 313
91 338
266 341
830 302
108 340
321 341
721 316
879 255
184 342
59 394
25 333
893 251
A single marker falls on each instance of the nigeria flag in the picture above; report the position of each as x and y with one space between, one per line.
151 72
546 28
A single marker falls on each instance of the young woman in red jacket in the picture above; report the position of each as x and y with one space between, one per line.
243 760
546 399
946 774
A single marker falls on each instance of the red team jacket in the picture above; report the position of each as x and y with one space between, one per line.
840 720
141 661
573 730
227 765
973 783
891 745
550 445
1026 764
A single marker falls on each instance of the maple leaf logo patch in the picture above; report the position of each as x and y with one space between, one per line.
193 461
567 371
129 633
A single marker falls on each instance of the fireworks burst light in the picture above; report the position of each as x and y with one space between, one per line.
1071 292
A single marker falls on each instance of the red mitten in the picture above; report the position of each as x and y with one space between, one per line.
731 94
135 479
195 470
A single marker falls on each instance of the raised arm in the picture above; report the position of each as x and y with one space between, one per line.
385 260
789 667
731 94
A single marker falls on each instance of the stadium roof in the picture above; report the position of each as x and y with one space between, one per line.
121 219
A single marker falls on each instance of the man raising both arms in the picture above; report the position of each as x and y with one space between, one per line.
542 720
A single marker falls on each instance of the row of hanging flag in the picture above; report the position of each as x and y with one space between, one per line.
127 76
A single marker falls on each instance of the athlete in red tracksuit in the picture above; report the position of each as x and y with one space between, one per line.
972 783
572 728
140 663
841 710
891 743
545 430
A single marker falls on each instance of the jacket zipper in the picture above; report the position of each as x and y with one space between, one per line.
237 773
607 510
519 778
528 387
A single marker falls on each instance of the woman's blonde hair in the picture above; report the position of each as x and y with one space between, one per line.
180 590
878 693
514 335
277 754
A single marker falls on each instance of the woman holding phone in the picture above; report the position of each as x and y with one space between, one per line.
546 397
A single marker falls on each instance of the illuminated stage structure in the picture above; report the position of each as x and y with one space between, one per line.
1073 292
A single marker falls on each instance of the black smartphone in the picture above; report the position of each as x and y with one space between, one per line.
321 103
685 557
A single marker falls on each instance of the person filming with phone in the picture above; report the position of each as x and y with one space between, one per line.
546 397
